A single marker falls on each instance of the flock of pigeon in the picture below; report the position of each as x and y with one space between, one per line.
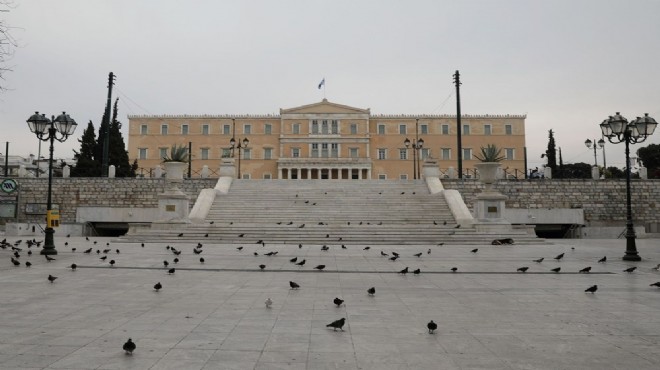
130 346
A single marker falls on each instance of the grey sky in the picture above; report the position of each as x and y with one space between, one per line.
566 64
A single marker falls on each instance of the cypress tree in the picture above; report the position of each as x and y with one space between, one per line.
118 156
86 163
551 152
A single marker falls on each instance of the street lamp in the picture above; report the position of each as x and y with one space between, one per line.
48 130
617 130
589 144
241 145
415 146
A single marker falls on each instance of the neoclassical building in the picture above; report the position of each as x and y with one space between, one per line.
326 140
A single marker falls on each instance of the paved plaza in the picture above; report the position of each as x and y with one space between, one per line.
213 315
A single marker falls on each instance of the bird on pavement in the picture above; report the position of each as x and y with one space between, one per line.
241 235
294 285
404 271
557 269
165 263
239 248
603 260
560 256
383 253
395 254
269 302
457 226
171 271
129 346
371 291
539 260
301 263
475 250
201 259
28 264
103 258
630 269
180 235
73 266
417 271
88 251
338 301
325 248
293 260
15 262
418 254
428 251
431 326
158 286
343 246
585 270
339 324
656 284
261 267
48 258
523 269
591 289
51 278
112 263
197 251
366 248
176 260
319 267
454 269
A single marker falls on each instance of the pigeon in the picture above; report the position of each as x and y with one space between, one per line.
212 222
241 235
260 241
299 246
171 271
523 269
103 258
197 251
339 324
27 264
87 238
320 267
442 243
294 285
74 267
371 291
325 248
417 271
206 235
418 254
395 254
434 223
66 244
539 260
105 251
269 302
74 249
301 226
656 284
343 246
301 263
557 269
366 248
201 259
15 262
431 326
30 252
180 235
48 258
112 263
630 269
428 251
270 254
129 346
475 250
394 258
591 289
559 257
454 269
255 253
176 260
457 226
603 260
165 263
158 286
585 270
261 267
142 245
338 301
404 271
51 278
239 248
293 260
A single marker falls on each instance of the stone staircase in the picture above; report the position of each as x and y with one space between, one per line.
331 212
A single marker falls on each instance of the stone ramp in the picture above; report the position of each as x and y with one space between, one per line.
328 212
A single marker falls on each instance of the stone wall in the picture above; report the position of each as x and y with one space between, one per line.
603 201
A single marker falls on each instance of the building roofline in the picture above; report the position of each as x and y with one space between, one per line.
277 116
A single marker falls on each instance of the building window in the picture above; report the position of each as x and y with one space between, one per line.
382 153
226 153
425 153
267 176
268 129
247 153
226 130
487 130
315 150
247 129
163 129
446 154
402 129
424 129
142 153
403 153
295 152
315 127
353 152
143 129
245 176
268 153
184 129
324 150
162 153
324 127
334 150
381 129
205 129
335 127
205 153
466 129
353 128
403 177
508 129
445 129
467 154
296 128
510 154
382 176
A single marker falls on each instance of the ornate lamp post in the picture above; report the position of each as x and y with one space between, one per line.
617 130
589 144
415 146
48 130
241 145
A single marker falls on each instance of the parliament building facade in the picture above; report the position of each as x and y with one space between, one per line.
326 140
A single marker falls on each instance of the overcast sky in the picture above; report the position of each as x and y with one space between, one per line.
566 64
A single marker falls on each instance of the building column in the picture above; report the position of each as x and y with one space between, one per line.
359 173
339 174
279 173
298 173
369 173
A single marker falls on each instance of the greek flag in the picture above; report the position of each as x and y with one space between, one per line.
322 83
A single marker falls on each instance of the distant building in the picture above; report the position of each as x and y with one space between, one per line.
326 140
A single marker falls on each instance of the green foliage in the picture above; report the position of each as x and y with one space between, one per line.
650 157
177 154
117 155
551 152
575 171
491 153
86 163
614 173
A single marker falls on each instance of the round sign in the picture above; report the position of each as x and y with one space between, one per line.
8 186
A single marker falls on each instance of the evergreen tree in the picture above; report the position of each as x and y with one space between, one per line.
86 163
98 149
551 152
118 156
650 157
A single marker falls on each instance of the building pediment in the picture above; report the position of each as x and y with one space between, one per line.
324 107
